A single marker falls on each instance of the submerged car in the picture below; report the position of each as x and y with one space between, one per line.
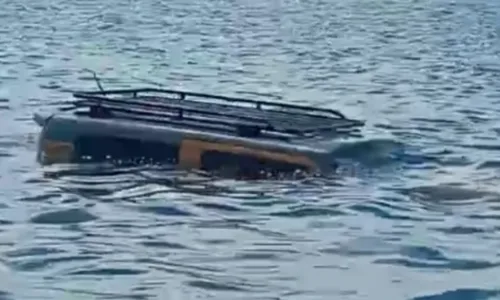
192 131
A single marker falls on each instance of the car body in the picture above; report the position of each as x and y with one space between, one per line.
192 131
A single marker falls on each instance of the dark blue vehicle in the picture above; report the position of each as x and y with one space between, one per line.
192 130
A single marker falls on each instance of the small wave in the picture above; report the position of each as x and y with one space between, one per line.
447 193
369 151
463 294
5 295
66 216
381 152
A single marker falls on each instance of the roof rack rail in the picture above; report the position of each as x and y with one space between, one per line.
183 94
275 118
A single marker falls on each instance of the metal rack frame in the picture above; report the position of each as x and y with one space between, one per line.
200 111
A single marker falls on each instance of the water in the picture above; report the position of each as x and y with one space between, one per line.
413 214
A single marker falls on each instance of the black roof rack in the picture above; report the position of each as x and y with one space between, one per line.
247 117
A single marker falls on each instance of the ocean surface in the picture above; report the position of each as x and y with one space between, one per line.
413 213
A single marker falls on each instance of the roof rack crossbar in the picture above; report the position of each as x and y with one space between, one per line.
173 117
241 120
170 115
179 110
182 95
159 117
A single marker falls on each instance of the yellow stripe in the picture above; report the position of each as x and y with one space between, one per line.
56 151
192 150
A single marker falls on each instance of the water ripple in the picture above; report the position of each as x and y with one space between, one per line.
411 213
476 294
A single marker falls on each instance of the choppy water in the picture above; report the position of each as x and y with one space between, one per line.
423 224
